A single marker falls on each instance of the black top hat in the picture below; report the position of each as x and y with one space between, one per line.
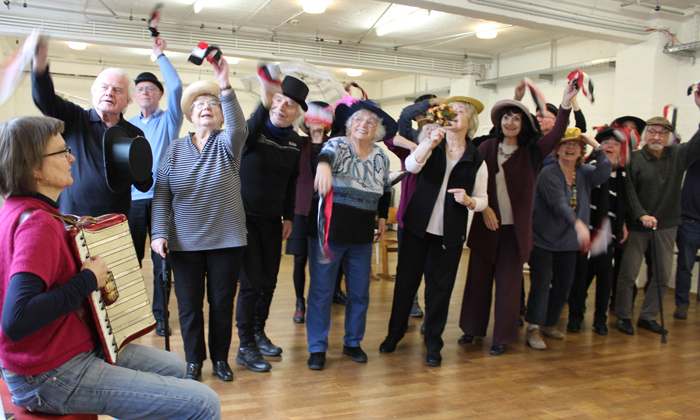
343 111
128 160
295 89
149 77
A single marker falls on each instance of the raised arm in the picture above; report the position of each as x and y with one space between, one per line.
411 112
43 91
548 141
236 130
417 159
173 87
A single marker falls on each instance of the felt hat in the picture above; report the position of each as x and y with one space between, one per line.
424 97
637 121
478 105
127 160
572 134
296 90
193 91
608 133
660 121
500 105
346 108
148 77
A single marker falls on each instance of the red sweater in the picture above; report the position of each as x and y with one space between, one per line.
40 246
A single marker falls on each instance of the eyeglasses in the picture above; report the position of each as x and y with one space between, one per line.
571 144
66 152
654 133
116 89
148 89
211 104
370 122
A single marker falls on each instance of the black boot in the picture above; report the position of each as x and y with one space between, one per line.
300 312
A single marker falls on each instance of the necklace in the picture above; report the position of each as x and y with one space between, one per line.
574 199
504 154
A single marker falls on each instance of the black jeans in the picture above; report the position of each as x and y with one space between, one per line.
140 225
548 268
600 267
415 251
221 268
261 264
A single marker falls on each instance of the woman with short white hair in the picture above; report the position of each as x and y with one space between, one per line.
354 171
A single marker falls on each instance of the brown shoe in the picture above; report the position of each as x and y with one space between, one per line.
534 339
681 312
551 332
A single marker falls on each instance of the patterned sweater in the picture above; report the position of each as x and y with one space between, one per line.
361 190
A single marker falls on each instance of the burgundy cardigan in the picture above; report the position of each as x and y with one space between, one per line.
521 179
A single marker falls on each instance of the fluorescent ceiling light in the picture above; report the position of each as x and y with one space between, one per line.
354 72
487 31
198 6
314 6
77 45
405 22
232 60
143 51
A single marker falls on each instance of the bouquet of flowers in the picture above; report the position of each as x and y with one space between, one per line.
441 114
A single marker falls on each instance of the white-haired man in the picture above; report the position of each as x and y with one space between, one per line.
655 174
269 172
112 92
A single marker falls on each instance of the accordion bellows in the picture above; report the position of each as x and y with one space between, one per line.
122 309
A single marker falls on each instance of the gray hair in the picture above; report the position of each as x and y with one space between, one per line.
645 137
473 117
381 130
22 146
131 86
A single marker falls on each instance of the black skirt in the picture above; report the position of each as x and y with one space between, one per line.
298 243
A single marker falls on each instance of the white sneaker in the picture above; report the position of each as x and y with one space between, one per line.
552 332
534 339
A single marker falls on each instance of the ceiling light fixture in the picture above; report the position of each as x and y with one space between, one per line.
314 6
486 31
232 60
405 22
153 57
77 45
354 72
198 6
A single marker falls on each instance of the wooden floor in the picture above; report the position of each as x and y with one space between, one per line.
585 376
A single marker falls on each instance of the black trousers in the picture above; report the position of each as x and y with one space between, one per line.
140 225
261 264
221 268
600 267
438 286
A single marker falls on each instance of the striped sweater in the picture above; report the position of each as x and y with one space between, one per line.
197 203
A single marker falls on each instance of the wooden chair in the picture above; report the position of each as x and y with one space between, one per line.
22 414
386 246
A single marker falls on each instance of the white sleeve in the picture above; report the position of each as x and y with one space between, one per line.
413 166
480 192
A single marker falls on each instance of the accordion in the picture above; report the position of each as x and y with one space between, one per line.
122 309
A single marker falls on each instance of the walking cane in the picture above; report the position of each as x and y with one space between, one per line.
166 313
658 285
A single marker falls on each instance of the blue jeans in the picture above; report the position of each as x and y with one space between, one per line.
551 276
356 260
146 384
688 242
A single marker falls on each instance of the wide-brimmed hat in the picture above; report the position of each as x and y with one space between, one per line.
660 121
636 120
608 133
149 77
477 104
128 160
572 134
296 90
343 111
193 91
500 105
